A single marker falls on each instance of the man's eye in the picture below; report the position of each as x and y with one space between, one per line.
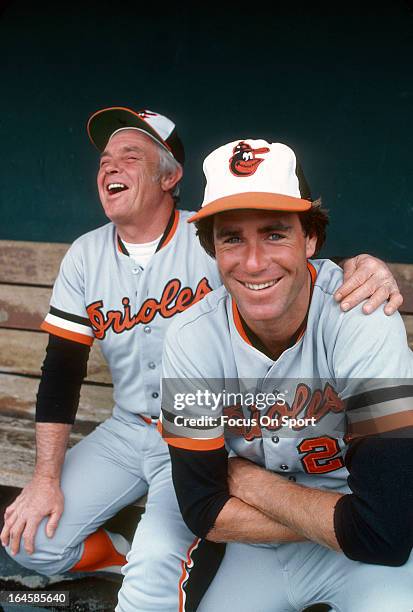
233 240
275 236
131 158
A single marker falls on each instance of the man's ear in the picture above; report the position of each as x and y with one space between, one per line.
310 245
169 181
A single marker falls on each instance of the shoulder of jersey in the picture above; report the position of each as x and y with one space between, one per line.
189 228
185 214
203 312
329 276
101 234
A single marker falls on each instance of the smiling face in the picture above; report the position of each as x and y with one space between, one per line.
262 258
128 177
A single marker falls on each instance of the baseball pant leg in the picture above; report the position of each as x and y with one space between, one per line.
165 554
101 475
319 575
376 588
250 578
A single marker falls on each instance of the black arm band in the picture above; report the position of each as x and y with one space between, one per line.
374 524
63 371
200 481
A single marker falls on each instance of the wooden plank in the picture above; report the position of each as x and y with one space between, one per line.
408 321
20 433
17 444
23 352
23 307
404 276
32 263
17 447
18 397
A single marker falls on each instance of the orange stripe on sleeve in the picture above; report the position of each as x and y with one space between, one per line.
197 444
194 444
68 335
390 422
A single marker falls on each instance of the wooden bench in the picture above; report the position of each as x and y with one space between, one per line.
27 273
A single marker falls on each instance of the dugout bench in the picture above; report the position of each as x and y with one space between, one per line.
27 273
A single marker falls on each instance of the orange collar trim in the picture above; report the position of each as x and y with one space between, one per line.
166 237
170 230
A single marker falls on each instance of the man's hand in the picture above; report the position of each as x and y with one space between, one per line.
368 277
41 497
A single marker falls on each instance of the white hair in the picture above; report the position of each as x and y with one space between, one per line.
167 166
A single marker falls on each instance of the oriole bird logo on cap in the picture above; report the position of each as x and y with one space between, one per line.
243 161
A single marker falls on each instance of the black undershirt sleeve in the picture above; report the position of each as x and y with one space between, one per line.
374 524
200 481
63 371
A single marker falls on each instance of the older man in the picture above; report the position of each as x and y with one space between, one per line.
316 507
122 284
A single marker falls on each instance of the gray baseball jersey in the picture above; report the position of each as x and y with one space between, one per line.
321 379
347 373
102 293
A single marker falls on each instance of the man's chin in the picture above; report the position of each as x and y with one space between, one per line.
258 313
114 213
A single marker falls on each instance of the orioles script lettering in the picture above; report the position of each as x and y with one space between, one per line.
174 299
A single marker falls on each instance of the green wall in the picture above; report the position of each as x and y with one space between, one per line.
333 81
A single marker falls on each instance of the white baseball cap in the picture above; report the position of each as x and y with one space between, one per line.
105 122
253 174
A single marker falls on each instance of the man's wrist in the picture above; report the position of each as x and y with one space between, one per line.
46 475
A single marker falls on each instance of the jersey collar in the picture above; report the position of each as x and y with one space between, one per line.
166 236
252 339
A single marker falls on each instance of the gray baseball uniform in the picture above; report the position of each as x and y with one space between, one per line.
350 366
102 293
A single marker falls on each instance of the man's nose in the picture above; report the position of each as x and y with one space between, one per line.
112 167
255 260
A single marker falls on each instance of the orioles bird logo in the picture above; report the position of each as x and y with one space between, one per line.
243 161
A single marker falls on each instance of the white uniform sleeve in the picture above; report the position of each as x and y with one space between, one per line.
373 366
67 317
191 410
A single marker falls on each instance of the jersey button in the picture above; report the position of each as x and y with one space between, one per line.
136 270
284 467
151 365
147 329
275 439
155 395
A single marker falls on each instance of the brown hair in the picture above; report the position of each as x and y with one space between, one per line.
313 221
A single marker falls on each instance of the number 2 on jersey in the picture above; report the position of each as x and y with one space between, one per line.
320 455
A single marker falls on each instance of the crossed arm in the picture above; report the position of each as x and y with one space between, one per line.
266 507
237 500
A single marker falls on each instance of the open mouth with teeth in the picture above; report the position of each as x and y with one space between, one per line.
260 286
113 188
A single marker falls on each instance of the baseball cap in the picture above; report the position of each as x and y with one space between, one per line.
103 123
253 174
